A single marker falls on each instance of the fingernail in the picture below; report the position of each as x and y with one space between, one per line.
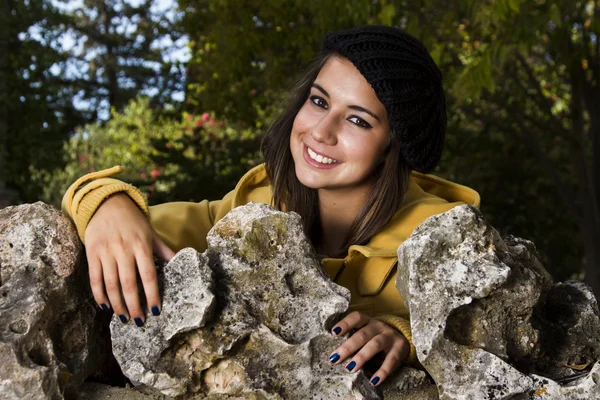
375 381
123 318
351 366
337 330
139 322
104 307
155 311
334 358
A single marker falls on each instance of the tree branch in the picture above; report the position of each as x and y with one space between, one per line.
531 140
541 100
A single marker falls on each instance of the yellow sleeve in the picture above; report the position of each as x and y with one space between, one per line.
186 224
179 224
83 197
403 326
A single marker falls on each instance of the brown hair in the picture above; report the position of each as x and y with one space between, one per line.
391 177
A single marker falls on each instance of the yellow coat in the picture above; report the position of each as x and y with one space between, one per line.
368 271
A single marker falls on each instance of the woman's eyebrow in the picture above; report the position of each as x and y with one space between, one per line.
353 107
359 108
321 89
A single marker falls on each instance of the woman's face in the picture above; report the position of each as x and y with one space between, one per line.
340 133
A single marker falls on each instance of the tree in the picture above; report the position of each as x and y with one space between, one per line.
246 54
121 50
36 114
529 72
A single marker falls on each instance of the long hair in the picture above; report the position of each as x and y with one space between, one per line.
391 177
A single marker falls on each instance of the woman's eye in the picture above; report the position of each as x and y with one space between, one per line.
318 101
360 122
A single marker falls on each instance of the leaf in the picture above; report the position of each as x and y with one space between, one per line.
555 15
387 14
514 5
436 53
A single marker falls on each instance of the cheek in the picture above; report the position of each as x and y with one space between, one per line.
302 120
366 149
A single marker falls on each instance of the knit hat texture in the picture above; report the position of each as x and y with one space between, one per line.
406 81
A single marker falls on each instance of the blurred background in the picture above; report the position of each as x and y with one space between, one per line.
180 92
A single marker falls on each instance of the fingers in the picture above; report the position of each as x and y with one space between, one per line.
147 270
129 285
399 351
366 332
97 281
119 245
112 284
368 341
372 338
119 277
354 320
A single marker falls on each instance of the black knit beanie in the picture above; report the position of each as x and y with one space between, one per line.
406 81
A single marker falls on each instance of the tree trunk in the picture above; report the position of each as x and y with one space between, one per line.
591 227
6 196
589 224
590 232
111 59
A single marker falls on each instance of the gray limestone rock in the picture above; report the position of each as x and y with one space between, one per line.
250 318
409 384
188 304
485 314
98 391
49 334
267 333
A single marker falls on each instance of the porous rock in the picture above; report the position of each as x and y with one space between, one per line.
485 314
267 334
49 334
138 351
407 383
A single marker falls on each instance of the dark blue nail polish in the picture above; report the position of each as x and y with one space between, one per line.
139 322
123 318
155 311
104 307
351 366
375 381
334 358
337 330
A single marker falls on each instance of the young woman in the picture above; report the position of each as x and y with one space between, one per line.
348 154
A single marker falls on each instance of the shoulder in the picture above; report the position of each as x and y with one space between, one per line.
427 195
423 186
255 185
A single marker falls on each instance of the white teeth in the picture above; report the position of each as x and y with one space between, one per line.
319 158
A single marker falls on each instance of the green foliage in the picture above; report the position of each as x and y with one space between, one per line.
514 136
249 53
36 114
518 131
191 159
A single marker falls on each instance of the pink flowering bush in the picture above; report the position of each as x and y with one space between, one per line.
183 157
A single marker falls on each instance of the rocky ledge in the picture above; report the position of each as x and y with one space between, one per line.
250 317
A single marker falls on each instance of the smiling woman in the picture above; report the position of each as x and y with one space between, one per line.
336 122
347 153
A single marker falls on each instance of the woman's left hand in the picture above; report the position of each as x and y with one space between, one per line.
372 337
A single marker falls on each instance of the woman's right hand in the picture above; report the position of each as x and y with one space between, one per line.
118 239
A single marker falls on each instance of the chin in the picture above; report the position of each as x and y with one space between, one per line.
308 181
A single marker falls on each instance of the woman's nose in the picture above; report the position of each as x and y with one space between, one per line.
324 130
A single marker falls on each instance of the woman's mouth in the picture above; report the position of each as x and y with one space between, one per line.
318 160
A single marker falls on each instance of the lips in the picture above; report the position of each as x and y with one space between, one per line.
319 164
320 157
